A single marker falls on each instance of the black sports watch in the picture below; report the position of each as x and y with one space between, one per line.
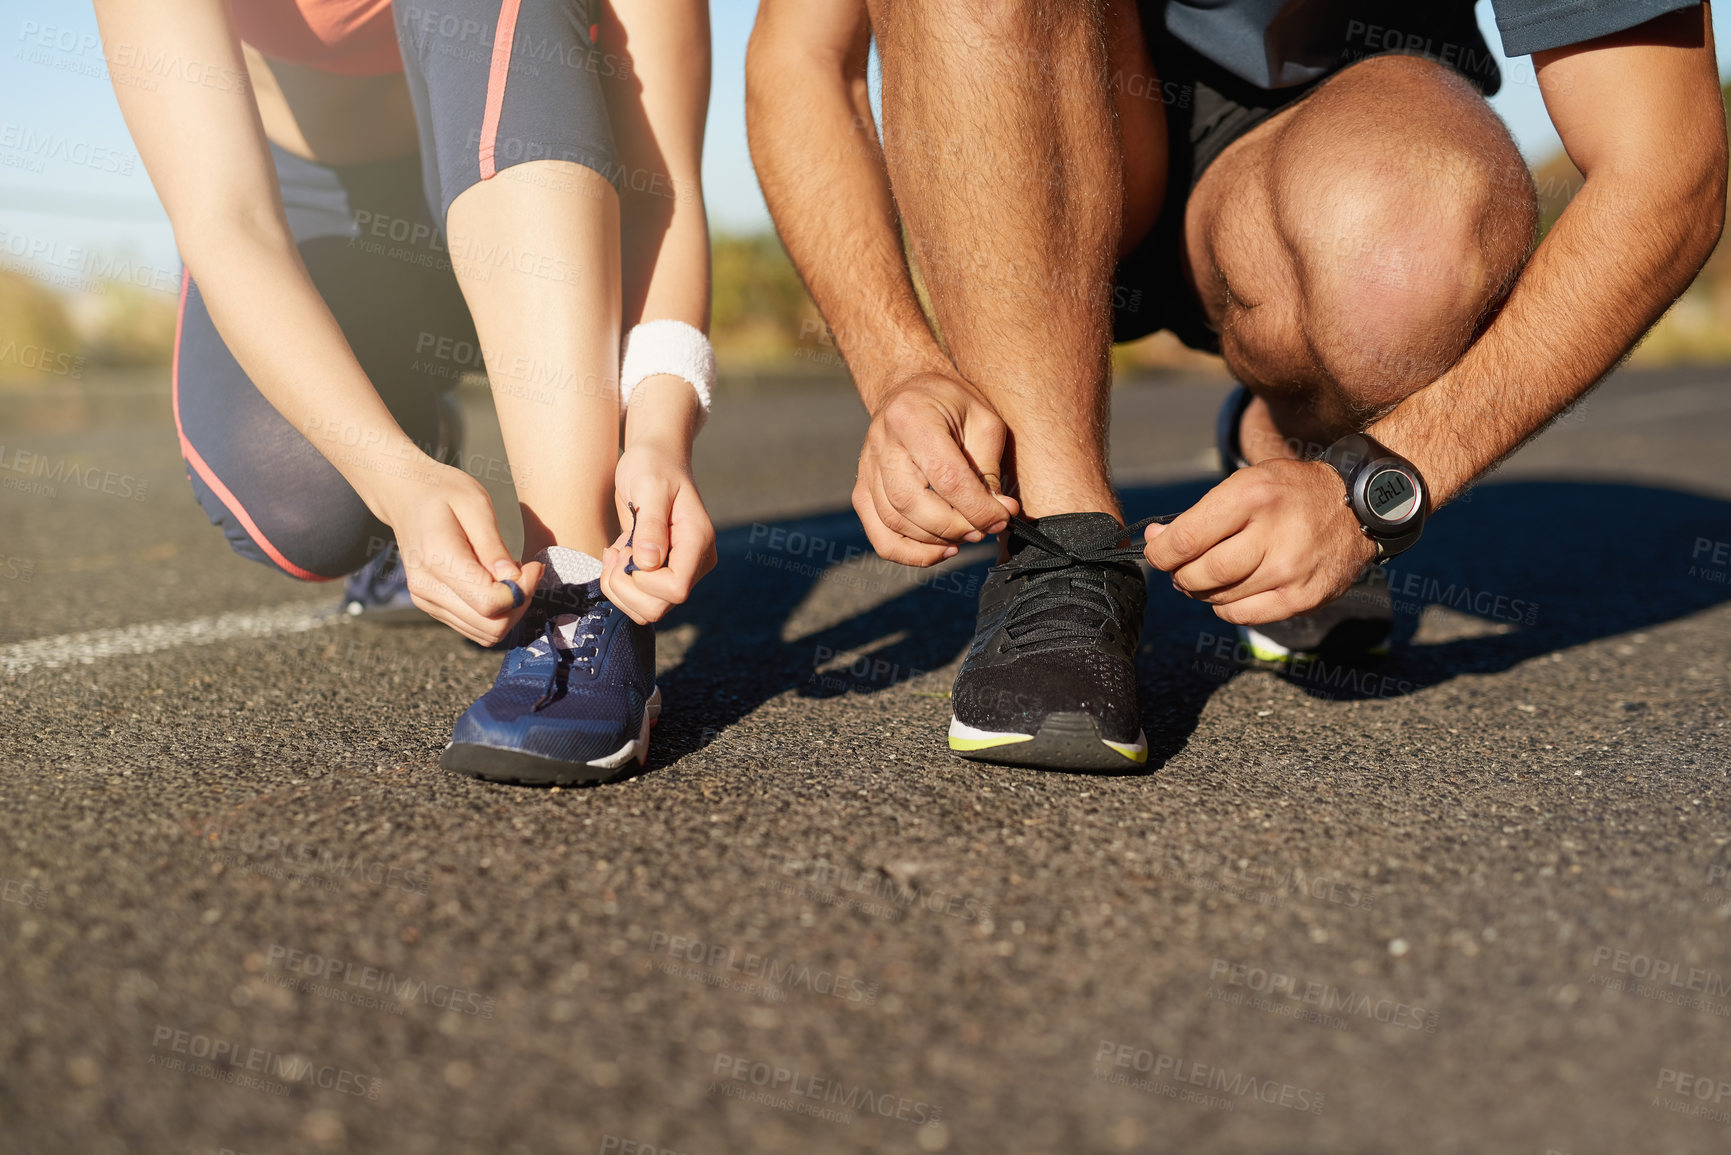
1387 495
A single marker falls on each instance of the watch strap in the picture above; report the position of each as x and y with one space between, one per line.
1346 457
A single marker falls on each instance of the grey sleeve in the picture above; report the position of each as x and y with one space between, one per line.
1530 26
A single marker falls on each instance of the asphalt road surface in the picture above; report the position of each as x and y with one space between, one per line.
1473 900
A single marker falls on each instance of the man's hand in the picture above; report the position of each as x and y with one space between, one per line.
454 558
672 541
1269 542
930 471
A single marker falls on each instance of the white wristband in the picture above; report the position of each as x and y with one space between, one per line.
671 347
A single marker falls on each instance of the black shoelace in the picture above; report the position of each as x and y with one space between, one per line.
1054 582
579 655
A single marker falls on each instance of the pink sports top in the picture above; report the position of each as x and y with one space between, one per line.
347 37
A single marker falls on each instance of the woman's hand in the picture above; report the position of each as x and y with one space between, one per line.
668 541
456 561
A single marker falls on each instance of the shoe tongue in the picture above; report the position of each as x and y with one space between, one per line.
1071 530
565 600
567 567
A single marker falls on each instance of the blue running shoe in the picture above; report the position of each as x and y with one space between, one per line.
379 592
576 696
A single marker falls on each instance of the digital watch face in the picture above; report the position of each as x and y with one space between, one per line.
1391 495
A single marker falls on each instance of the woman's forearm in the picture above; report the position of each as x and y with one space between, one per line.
658 116
664 414
665 259
284 337
207 157
664 237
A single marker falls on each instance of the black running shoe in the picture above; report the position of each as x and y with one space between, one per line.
1353 627
1050 679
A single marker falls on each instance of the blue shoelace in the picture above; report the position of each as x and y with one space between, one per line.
578 655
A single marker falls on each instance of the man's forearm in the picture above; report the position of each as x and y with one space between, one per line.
1615 260
821 167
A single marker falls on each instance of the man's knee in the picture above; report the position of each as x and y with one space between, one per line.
1406 230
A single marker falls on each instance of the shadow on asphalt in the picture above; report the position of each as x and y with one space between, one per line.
1541 565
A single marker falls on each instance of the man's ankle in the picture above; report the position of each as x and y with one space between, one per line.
1045 503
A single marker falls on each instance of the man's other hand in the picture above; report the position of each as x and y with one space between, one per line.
1268 543
930 474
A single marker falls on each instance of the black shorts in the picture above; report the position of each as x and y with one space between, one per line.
1207 108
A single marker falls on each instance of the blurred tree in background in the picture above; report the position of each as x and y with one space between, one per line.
35 328
127 326
47 335
763 317
762 314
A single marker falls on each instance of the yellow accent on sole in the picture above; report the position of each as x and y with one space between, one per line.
1281 657
1133 753
988 743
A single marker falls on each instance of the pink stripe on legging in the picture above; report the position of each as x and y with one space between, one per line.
205 473
502 38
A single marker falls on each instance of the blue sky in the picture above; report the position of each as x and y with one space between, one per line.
97 197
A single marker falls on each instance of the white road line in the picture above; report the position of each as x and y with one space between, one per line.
86 648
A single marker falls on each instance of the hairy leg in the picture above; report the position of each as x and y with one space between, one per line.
1351 248
1005 154
536 251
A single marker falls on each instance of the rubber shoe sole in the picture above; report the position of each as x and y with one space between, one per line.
1265 649
520 768
1065 741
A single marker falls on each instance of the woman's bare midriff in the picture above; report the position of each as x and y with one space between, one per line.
329 118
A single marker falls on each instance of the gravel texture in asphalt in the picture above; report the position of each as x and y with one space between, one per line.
1473 899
